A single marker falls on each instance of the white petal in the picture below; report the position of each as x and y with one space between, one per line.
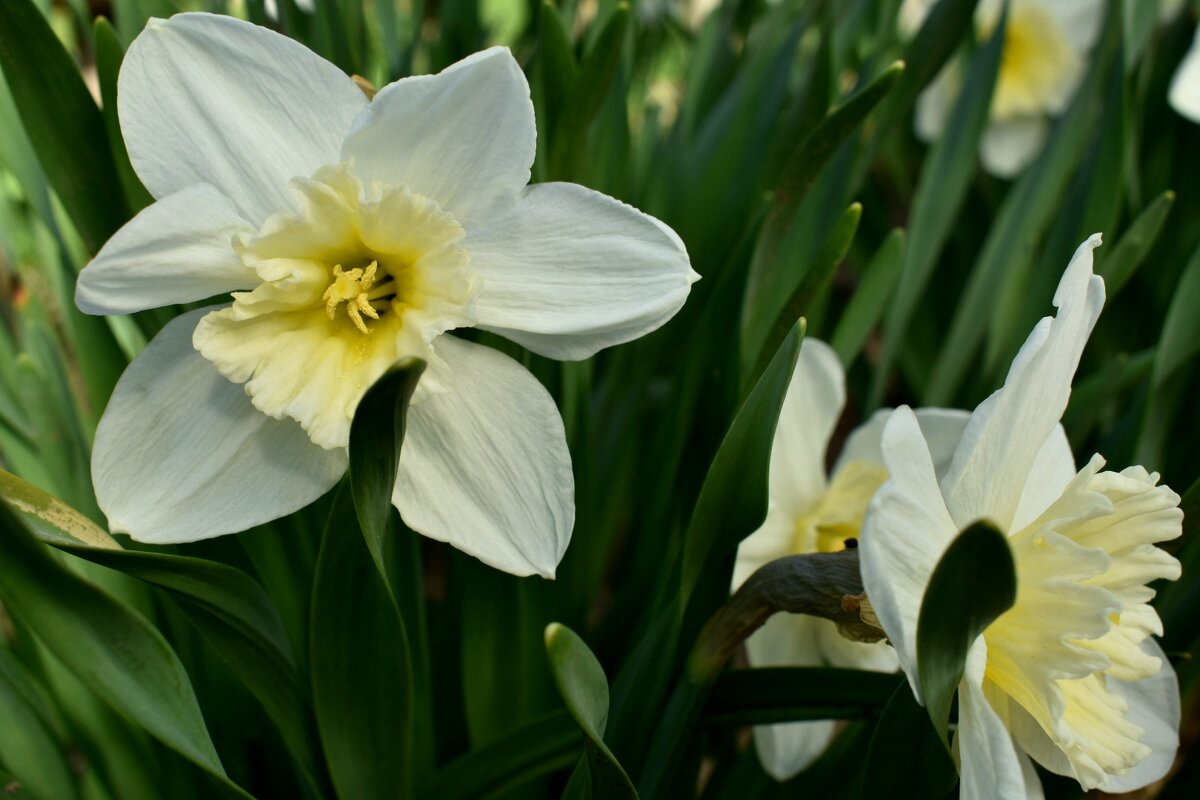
1009 146
212 99
181 454
485 465
1052 470
1079 20
906 530
810 412
464 137
838 651
1154 707
936 102
775 539
1033 782
786 749
177 250
941 427
1185 86
1007 432
788 640
567 271
990 764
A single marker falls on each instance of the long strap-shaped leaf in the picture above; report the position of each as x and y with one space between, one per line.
110 648
227 606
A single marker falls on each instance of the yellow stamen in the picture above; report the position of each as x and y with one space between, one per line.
353 287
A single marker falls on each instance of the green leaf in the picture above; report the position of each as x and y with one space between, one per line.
109 55
360 665
107 646
27 740
584 689
1177 601
974 582
870 298
589 89
1119 265
945 178
768 695
376 436
1028 209
63 122
759 340
905 758
948 24
733 499
547 745
769 278
557 69
1180 338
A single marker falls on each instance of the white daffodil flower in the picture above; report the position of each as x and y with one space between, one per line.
1070 675
359 232
1045 52
809 512
1184 94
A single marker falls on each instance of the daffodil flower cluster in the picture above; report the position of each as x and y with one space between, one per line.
352 233
1070 676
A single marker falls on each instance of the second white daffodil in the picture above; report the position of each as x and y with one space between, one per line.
809 512
352 233
1070 676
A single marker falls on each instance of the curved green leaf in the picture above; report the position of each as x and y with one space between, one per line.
584 689
376 435
106 645
359 659
974 583
733 499
227 606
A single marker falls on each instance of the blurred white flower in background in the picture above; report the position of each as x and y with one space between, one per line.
812 513
363 232
1184 94
1069 676
271 7
1045 55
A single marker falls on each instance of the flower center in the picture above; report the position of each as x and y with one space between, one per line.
356 288
838 515
1038 65
356 278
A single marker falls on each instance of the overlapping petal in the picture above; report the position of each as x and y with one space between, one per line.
210 99
182 455
941 427
485 465
990 764
1012 425
464 137
906 531
567 271
811 407
177 250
